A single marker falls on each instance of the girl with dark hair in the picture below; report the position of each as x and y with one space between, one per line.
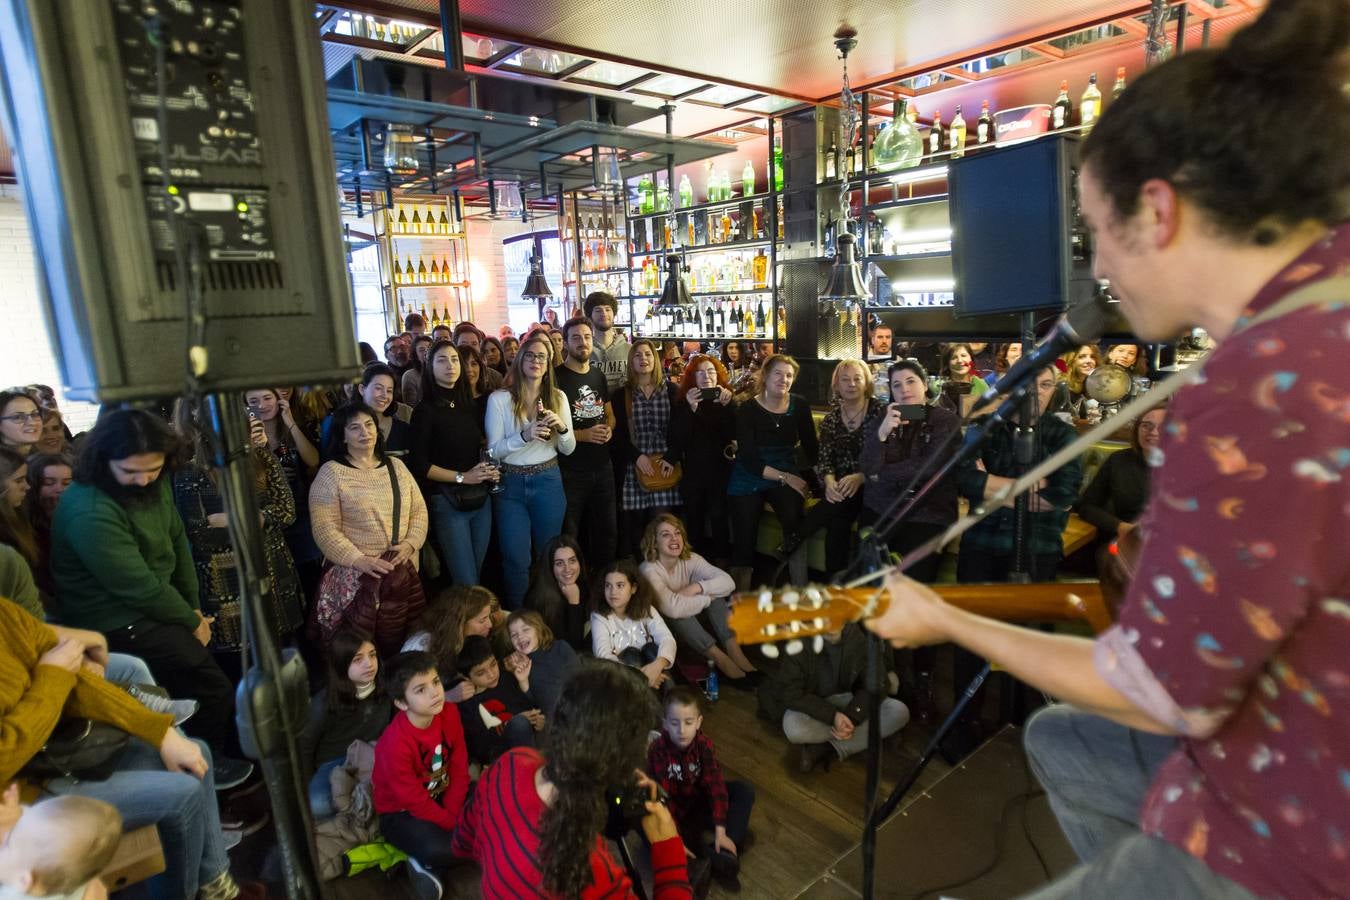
625 626
20 421
349 708
1004 357
559 590
510 347
367 352
48 478
199 503
410 385
493 356
377 393
554 801
475 373
1131 357
16 532
453 615
529 422
702 435
447 438
959 377
1115 498
642 412
770 430
352 506
298 457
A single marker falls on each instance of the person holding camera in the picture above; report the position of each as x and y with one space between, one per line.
904 441
555 803
702 439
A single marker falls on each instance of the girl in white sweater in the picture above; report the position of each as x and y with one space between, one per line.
625 626
690 589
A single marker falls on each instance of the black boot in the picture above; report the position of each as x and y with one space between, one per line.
726 870
813 755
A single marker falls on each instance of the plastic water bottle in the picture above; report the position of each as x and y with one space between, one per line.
710 688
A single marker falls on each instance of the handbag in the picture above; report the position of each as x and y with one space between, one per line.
655 481
78 748
465 497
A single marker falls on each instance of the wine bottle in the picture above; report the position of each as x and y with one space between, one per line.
761 324
397 275
443 224
1120 83
984 126
415 226
956 134
421 265
748 179
1061 116
832 161
1090 106
937 135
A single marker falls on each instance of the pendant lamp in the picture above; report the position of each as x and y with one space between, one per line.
846 284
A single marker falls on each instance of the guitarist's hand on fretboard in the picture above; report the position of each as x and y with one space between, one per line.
914 617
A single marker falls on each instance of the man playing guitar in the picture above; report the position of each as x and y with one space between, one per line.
1202 746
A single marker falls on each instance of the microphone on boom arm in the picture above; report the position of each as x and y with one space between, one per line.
1083 324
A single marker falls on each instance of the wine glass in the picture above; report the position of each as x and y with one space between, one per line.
485 456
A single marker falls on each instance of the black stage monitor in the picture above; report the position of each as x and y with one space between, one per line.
1016 245
97 95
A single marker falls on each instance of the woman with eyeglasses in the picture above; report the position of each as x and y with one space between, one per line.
20 422
529 423
1118 493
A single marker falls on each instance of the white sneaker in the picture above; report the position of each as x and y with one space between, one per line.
181 710
424 884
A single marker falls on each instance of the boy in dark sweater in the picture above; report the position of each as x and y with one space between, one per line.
500 715
421 774
701 800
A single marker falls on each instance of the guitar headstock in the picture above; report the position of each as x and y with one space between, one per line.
793 616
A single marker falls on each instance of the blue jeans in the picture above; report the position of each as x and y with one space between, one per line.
529 513
321 791
1095 774
463 537
123 668
182 808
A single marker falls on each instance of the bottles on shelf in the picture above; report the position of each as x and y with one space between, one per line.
748 179
686 192
1090 106
646 195
1062 114
899 145
937 136
447 269
601 237
831 167
777 165
984 127
713 318
956 134
419 220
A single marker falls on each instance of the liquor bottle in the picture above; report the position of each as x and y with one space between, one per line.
1090 107
409 272
397 274
725 224
587 259
646 195
662 196
1120 84
690 226
415 225
937 136
678 327
1061 116
749 320
435 274
698 321
710 187
425 317
402 227
686 194
899 145
421 268
984 126
748 179
761 265
446 272
956 134
832 161
849 157
777 165
781 330
761 323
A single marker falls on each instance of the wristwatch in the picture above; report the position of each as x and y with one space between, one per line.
459 478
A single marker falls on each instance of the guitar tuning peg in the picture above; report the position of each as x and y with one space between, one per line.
818 644
813 595
771 630
795 626
770 650
794 647
820 623
765 600
790 599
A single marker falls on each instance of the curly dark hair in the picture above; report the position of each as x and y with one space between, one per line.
1213 123
596 738
639 605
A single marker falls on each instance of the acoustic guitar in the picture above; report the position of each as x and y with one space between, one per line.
792 616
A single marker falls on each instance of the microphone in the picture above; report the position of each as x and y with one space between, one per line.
1080 325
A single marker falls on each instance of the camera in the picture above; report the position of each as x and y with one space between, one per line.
628 807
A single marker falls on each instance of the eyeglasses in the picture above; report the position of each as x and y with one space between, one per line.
20 418
535 357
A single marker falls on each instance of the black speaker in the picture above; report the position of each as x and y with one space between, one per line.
1018 242
100 96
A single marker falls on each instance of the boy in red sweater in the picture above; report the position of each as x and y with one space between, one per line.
701 800
421 774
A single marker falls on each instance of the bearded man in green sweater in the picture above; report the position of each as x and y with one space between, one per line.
123 567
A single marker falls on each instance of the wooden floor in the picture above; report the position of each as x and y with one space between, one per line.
804 825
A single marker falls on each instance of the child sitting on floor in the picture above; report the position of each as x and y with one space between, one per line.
550 661
56 848
499 715
625 626
713 814
421 774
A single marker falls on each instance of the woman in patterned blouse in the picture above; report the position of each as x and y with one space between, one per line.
642 413
841 440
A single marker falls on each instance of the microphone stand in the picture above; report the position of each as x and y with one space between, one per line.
1024 451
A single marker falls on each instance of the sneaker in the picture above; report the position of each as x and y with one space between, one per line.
245 826
424 884
813 755
181 710
230 773
233 838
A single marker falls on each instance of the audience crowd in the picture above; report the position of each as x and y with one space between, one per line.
508 563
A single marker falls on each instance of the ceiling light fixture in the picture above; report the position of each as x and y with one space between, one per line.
536 286
846 284
675 292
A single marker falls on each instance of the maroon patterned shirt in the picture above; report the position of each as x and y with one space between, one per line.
1236 630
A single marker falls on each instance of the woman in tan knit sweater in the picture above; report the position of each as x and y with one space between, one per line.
161 778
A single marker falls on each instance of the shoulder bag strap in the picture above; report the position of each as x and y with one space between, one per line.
398 497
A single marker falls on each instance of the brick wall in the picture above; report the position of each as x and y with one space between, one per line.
26 354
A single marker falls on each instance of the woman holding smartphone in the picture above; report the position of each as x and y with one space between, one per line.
528 425
702 439
904 440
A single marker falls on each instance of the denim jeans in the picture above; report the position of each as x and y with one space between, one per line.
1096 774
463 537
528 512
182 807
803 729
123 668
321 805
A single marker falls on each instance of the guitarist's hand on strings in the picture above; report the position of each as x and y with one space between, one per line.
914 616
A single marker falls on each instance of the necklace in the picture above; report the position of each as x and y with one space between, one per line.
852 422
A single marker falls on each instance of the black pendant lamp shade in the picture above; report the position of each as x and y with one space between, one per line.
676 292
536 287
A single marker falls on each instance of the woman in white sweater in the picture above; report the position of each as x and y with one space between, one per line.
528 425
625 626
690 589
